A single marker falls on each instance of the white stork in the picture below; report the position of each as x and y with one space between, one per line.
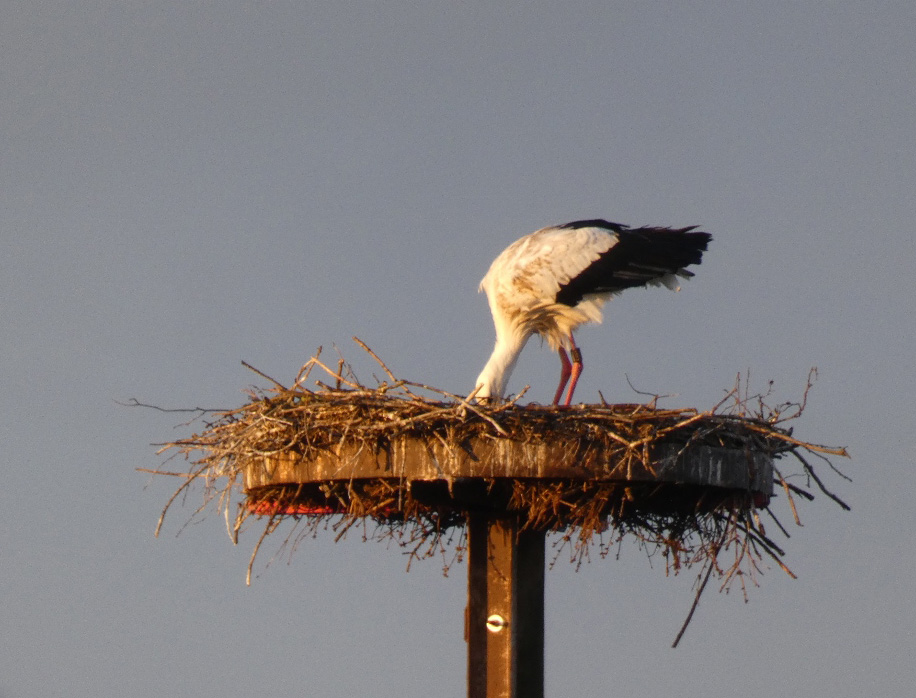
555 279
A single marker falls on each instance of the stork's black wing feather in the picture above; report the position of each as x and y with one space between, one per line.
595 223
640 256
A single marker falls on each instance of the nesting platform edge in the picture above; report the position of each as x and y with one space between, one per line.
426 460
420 463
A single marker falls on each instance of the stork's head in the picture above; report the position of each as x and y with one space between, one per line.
491 383
488 388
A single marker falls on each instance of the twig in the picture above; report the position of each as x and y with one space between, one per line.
375 356
263 375
133 402
820 484
166 472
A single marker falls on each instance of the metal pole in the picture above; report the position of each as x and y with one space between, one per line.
505 614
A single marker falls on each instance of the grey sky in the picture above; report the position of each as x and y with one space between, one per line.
186 185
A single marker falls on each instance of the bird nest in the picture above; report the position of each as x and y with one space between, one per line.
237 454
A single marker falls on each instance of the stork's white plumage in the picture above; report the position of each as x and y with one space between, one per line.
555 279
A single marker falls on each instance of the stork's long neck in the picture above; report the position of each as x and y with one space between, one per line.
492 380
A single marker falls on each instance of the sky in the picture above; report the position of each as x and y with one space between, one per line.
188 185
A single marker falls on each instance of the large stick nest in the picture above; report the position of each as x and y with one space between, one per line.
722 530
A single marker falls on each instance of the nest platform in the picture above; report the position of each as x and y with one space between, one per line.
391 458
687 481
397 456
684 482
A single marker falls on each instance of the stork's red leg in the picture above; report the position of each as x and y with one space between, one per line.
565 370
575 370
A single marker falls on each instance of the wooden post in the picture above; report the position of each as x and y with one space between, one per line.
505 613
